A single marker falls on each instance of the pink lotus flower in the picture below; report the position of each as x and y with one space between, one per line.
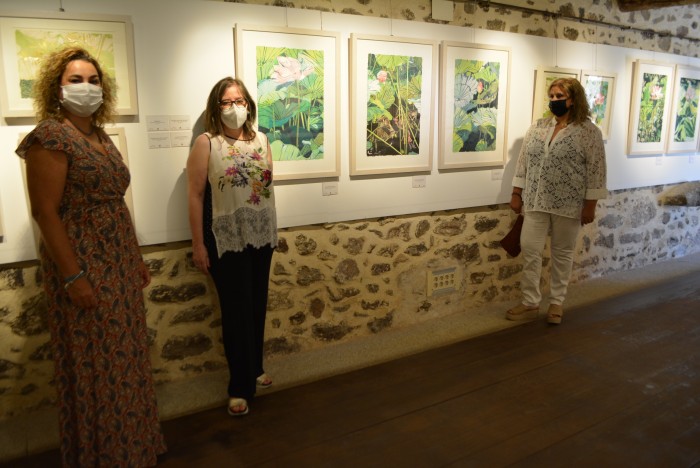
479 86
656 93
382 76
289 69
599 99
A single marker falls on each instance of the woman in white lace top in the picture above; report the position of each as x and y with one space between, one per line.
559 176
234 229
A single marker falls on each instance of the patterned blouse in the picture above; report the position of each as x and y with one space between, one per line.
243 198
557 177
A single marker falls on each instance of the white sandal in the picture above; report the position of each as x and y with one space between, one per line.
237 402
263 381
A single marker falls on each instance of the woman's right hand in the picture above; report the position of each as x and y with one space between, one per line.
200 257
516 203
81 294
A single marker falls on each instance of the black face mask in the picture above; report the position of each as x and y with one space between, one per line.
558 108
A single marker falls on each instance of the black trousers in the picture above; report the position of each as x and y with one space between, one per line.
241 280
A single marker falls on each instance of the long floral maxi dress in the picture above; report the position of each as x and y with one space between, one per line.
107 405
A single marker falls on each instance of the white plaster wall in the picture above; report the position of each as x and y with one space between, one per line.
182 47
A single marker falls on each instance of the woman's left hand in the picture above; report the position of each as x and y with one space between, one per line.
145 274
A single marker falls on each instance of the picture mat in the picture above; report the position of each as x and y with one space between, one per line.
450 52
247 39
640 68
361 46
610 78
684 147
12 104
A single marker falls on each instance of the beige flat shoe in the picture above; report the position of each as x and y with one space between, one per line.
523 312
555 314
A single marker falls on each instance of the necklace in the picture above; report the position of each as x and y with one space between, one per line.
237 139
87 134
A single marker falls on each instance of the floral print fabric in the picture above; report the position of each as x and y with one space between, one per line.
107 405
558 175
243 201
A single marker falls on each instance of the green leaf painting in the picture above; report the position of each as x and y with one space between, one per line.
291 101
33 44
393 104
475 105
687 113
651 108
597 95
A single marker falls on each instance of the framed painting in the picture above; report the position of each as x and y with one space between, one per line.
392 91
294 77
474 105
650 108
544 77
684 123
600 94
25 39
119 139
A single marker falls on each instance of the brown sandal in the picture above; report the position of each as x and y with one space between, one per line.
523 312
555 314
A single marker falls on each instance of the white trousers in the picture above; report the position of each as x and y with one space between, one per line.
564 231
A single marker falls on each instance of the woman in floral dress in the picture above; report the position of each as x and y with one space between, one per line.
93 270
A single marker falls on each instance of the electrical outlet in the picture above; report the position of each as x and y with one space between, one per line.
442 281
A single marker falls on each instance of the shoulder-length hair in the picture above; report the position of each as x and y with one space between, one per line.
48 84
212 115
580 111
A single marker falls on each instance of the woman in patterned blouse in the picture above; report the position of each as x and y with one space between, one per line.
559 177
234 229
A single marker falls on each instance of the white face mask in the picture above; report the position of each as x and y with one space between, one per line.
234 117
81 99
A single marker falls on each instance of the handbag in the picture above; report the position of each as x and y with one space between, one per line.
511 242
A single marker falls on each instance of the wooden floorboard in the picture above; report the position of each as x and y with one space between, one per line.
618 384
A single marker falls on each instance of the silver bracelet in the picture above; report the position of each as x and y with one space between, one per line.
72 279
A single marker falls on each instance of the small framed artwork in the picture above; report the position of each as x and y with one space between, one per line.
118 137
650 108
543 79
392 90
294 77
684 123
600 94
25 39
474 105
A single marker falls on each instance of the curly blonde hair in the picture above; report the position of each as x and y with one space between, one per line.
580 111
47 85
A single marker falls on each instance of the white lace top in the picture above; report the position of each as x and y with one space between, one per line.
556 177
243 198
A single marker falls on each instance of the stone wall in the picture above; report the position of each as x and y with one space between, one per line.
674 30
341 281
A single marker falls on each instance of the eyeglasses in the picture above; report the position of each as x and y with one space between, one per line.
227 103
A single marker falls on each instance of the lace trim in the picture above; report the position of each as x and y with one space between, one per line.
557 178
245 226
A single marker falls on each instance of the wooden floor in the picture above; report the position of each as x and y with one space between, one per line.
617 384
